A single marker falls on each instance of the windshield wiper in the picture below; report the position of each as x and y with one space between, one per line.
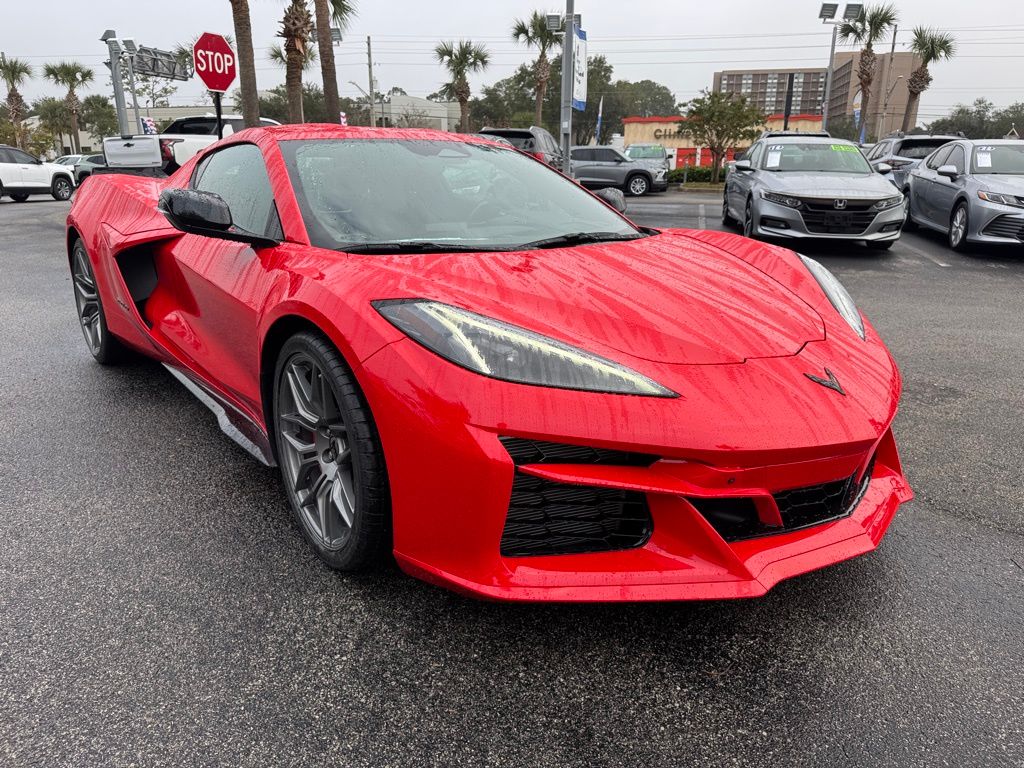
577 238
415 246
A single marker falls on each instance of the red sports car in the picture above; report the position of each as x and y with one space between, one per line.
458 356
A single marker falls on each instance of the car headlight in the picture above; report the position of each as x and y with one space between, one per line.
786 200
836 294
503 351
887 203
995 197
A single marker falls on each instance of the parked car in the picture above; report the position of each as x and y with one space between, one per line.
653 155
184 137
597 167
68 160
85 167
533 141
904 153
971 190
505 385
22 175
795 186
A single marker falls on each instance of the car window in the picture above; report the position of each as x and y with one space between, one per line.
638 152
239 175
583 154
20 157
957 158
197 126
5 156
606 155
95 159
939 158
878 150
999 158
753 155
814 157
468 195
918 149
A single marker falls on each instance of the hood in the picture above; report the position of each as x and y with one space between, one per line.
847 185
666 298
996 182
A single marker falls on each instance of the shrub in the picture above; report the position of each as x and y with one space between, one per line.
694 173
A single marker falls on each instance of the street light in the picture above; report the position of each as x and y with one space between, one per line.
827 14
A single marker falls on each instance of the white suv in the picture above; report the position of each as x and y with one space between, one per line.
22 175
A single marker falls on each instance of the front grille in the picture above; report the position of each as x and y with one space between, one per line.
736 519
1005 226
525 451
822 218
548 518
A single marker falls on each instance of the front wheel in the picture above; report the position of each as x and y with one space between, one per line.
638 186
748 219
102 344
331 459
958 228
727 219
61 188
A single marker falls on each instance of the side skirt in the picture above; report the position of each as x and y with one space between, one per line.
232 422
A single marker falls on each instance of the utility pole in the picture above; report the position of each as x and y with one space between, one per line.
114 49
370 96
135 95
828 79
888 72
565 129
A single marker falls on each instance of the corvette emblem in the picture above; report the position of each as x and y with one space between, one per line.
839 204
831 382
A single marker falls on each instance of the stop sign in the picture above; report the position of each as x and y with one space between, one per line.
214 61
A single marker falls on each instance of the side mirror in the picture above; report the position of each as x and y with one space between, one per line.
614 197
742 165
949 171
206 214
883 168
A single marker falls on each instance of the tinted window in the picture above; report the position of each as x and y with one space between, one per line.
21 157
468 195
918 149
583 154
5 156
199 126
939 158
95 159
957 158
606 155
519 139
239 175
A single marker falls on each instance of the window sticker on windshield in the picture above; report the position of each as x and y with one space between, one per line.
774 158
985 149
843 148
983 159
775 147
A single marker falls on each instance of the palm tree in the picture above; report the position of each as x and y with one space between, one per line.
54 118
930 46
71 75
871 26
341 12
460 59
296 29
246 63
534 33
15 72
277 55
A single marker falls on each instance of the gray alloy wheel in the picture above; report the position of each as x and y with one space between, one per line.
330 456
61 188
638 185
103 345
748 219
958 228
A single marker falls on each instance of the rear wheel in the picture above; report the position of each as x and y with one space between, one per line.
104 347
958 228
330 455
20 197
637 185
61 188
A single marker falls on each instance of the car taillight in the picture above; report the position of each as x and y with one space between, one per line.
167 148
537 155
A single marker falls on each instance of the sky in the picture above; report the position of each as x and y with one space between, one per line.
679 43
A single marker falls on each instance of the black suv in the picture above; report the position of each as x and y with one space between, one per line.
533 141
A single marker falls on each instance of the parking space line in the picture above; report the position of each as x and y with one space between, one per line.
925 254
702 219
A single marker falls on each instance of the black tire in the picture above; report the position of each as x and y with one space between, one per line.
637 185
748 219
61 188
727 219
957 237
19 197
82 177
104 346
880 245
908 223
349 430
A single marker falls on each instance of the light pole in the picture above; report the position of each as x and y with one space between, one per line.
115 50
827 14
885 105
568 63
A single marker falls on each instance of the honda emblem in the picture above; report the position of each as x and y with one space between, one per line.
839 205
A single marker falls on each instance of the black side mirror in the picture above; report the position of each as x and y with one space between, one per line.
206 214
614 197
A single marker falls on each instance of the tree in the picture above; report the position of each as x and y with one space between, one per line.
534 33
154 91
341 12
871 26
461 59
277 55
53 117
929 46
15 72
980 120
250 102
296 29
720 122
99 116
71 75
274 104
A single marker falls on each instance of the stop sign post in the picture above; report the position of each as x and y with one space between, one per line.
217 66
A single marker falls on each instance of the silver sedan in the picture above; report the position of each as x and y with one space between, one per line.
802 186
973 191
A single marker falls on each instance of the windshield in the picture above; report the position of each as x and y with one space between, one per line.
645 153
999 158
363 191
815 157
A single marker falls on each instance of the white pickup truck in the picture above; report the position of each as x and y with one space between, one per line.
186 136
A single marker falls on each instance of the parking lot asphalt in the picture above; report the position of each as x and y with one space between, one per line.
158 606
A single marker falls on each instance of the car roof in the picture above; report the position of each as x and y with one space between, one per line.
994 142
806 139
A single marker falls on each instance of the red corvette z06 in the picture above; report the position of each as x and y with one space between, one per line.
458 356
